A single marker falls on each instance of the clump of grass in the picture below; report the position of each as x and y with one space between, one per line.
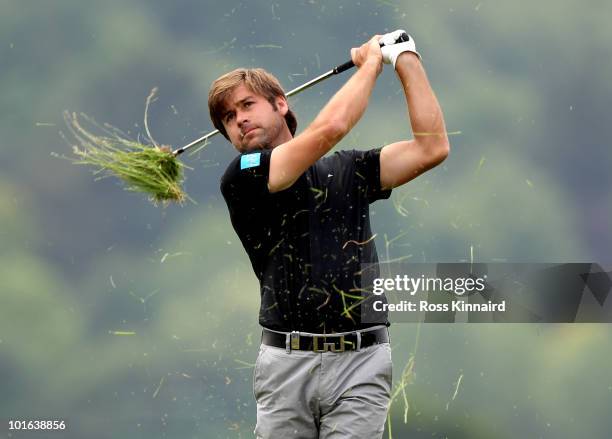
148 168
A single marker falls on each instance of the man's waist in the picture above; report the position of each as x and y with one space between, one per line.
334 342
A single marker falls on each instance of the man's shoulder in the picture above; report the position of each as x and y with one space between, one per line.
248 163
231 167
229 175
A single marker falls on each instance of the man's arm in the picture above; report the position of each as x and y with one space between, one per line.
289 160
400 162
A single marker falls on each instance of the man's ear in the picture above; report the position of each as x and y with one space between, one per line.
282 105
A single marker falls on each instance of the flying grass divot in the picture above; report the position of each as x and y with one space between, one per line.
151 169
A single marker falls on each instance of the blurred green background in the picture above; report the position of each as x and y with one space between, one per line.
130 321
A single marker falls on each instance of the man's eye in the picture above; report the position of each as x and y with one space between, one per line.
229 117
247 104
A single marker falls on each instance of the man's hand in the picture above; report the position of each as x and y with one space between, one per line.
369 52
391 50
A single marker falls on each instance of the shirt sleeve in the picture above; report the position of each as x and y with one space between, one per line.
367 168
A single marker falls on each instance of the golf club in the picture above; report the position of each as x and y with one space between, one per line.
336 70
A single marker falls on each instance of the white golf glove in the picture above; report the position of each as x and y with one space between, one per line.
391 50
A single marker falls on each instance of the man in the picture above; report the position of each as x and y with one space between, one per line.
304 221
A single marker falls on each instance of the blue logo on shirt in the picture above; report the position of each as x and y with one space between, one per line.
250 160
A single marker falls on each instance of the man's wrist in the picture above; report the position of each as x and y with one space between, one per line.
407 56
406 61
374 64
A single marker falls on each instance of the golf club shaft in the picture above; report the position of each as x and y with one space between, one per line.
336 70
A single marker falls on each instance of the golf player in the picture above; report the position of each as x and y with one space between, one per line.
303 220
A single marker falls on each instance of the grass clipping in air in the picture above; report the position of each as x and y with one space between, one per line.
152 169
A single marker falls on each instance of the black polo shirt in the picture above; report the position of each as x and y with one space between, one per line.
306 243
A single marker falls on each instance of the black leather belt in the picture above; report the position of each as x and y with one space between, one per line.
325 342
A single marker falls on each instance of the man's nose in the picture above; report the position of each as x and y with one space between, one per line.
241 117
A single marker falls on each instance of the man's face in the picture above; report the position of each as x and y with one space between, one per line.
252 122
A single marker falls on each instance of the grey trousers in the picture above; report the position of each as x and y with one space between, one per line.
329 395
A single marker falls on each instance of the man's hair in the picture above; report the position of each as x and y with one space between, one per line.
258 81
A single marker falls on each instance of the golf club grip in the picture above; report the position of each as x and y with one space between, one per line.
349 64
342 67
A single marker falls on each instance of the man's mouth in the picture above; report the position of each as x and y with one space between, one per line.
245 133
